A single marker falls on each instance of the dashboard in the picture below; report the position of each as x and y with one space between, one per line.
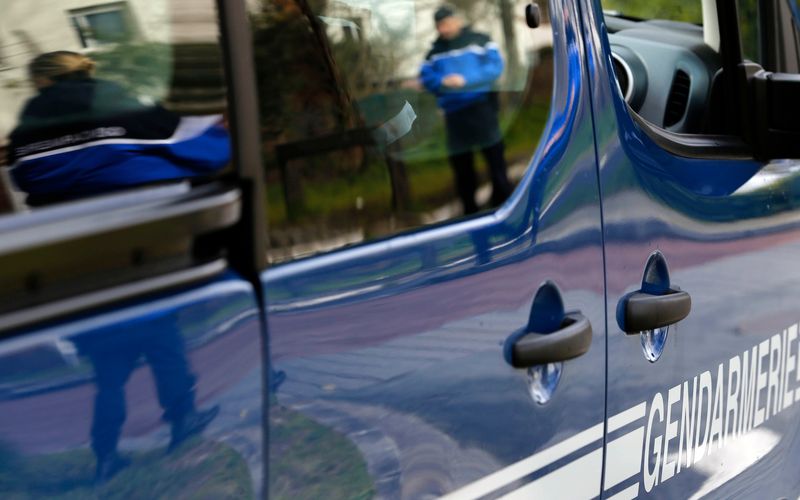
666 72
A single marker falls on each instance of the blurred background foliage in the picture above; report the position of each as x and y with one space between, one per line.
689 11
330 74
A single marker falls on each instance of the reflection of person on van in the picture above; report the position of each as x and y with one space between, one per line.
460 70
82 136
115 355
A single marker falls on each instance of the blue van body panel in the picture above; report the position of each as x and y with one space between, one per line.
729 232
398 344
63 383
386 359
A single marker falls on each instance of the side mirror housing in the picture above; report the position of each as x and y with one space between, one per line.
775 127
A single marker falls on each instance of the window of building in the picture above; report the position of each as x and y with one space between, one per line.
102 24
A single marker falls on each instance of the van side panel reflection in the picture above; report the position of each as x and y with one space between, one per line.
169 388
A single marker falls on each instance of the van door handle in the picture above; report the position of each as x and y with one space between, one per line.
645 311
526 348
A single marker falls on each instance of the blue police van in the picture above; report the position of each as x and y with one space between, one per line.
399 249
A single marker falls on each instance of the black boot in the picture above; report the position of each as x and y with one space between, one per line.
108 466
192 423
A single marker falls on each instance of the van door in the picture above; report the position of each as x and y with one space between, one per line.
397 326
701 244
130 329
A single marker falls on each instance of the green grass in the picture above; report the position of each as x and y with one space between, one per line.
429 176
308 460
198 470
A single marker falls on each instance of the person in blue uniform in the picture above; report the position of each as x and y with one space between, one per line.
115 355
461 70
82 136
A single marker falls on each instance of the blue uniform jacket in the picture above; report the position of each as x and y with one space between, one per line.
472 55
80 138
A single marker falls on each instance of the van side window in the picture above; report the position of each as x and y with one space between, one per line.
381 117
668 57
667 63
103 97
770 34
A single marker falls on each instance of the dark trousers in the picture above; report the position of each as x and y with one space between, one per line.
164 351
466 179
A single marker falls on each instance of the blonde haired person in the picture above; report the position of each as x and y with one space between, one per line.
81 136
46 69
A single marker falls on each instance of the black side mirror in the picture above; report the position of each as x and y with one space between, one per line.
533 15
775 127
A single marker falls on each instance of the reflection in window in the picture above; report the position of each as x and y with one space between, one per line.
93 102
362 135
